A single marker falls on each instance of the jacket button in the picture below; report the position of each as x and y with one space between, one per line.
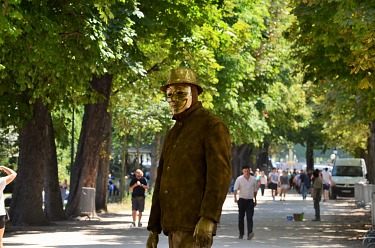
174 146
168 168
165 191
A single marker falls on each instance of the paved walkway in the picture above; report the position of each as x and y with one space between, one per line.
343 225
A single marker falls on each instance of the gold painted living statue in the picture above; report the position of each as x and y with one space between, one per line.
194 170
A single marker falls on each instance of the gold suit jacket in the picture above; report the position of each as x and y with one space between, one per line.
194 172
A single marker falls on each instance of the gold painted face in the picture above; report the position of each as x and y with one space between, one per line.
179 98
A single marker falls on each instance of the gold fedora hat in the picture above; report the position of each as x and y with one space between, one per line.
182 76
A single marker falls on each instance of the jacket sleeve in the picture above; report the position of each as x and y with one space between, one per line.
217 148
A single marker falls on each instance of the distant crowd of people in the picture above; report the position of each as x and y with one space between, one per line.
246 186
279 181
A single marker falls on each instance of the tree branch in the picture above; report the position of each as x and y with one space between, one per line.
66 35
5 7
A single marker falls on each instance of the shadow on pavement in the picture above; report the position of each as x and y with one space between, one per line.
342 225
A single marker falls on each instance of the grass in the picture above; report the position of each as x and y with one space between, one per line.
115 207
126 204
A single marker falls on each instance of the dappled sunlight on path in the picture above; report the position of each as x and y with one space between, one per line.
342 225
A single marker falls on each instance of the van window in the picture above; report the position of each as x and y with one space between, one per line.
347 171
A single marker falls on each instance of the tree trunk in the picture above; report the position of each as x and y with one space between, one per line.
235 161
263 161
85 169
26 207
123 163
53 202
371 154
102 178
155 156
309 155
138 152
240 156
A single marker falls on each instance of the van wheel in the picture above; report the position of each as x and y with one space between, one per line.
332 196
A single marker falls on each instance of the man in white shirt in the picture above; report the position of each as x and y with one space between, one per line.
247 187
327 178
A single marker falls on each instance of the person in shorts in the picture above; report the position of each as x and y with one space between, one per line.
283 184
138 186
327 178
273 178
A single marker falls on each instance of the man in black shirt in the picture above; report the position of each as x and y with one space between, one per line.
138 186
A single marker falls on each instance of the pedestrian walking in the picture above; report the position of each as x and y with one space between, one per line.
303 184
273 179
64 190
263 182
283 184
309 176
317 193
194 171
247 186
138 187
327 179
291 179
296 182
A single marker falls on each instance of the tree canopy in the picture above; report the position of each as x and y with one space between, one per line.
109 58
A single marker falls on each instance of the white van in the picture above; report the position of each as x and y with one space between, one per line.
319 167
345 173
